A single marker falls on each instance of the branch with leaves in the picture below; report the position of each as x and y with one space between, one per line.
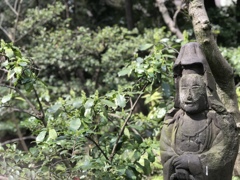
125 122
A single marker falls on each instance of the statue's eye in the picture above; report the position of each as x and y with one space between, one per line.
195 86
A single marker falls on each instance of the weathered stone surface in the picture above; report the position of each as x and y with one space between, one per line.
199 139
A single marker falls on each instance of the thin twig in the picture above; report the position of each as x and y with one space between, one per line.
104 154
18 7
125 124
41 107
8 35
10 6
17 139
37 113
168 20
176 14
22 95
115 115
19 133
15 109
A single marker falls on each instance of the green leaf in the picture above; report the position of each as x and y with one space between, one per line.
145 47
139 60
120 101
161 113
23 63
136 156
52 134
41 136
18 70
54 108
121 171
77 103
9 52
126 132
151 156
147 168
6 98
130 174
75 124
125 71
89 103
108 103
60 167
11 74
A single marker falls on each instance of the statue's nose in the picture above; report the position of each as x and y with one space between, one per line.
189 95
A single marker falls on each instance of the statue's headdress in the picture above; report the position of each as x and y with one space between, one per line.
191 60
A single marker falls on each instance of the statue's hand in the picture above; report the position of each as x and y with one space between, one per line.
188 162
181 162
182 174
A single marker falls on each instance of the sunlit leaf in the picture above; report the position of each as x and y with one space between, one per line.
41 136
18 70
120 100
89 103
75 124
125 71
9 52
126 132
145 47
52 134
6 98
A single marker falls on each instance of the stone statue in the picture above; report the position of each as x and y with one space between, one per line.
199 139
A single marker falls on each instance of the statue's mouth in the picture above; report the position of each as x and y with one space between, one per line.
189 102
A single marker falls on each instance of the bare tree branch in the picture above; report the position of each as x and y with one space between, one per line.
222 71
176 13
42 115
19 133
4 30
17 139
125 123
168 20
10 6
17 6
15 109
36 114
96 144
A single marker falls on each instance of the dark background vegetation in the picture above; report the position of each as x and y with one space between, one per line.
85 84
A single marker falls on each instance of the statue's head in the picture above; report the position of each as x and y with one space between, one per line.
191 60
192 94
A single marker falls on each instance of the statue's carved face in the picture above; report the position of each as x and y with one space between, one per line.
193 96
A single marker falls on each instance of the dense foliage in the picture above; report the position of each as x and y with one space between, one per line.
82 97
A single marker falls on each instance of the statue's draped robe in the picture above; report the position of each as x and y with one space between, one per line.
216 150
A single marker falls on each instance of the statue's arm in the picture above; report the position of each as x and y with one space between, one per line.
224 146
166 143
167 152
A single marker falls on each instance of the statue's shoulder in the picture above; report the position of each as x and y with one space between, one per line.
221 119
172 115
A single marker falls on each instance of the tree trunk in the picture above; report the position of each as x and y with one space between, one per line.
129 14
222 71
